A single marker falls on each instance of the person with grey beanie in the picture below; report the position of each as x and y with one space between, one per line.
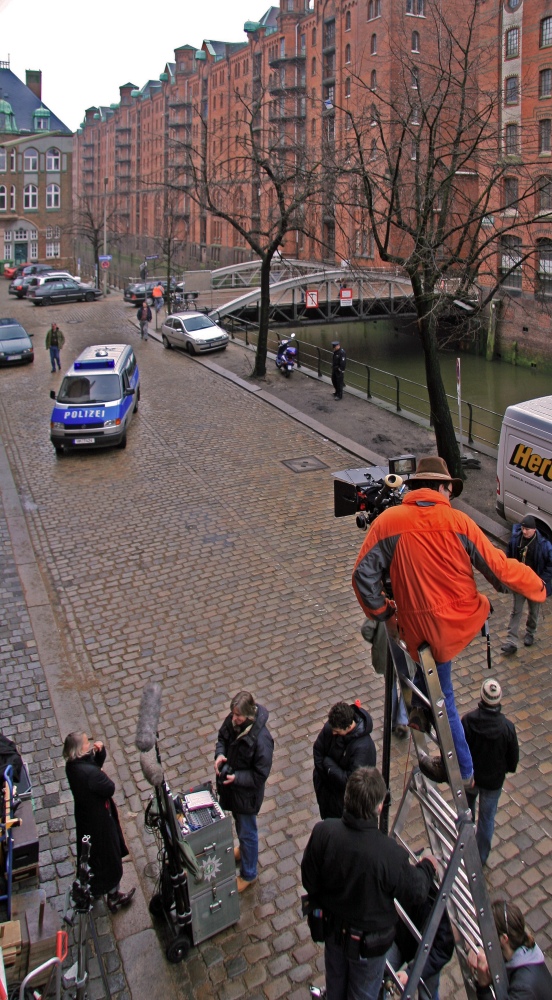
528 546
494 748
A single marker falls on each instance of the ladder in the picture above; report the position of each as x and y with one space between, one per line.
451 836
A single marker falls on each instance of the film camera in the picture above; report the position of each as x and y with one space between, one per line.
368 492
225 771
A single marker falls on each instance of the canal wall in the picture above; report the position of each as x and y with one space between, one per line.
523 332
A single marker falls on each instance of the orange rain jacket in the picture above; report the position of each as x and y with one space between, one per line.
428 549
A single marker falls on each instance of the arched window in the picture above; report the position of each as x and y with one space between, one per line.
53 159
374 149
313 66
3 198
30 160
347 53
30 196
544 276
415 79
374 44
546 32
313 36
348 87
53 199
348 21
373 80
12 198
511 90
415 46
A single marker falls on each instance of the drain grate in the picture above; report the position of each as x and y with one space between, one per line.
308 464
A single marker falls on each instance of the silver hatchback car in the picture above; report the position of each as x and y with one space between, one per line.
193 331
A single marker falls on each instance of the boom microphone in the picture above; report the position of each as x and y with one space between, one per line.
148 718
151 768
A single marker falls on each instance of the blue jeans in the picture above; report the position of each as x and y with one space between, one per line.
54 358
444 671
246 829
349 978
488 804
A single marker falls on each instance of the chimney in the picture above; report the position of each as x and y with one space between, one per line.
33 79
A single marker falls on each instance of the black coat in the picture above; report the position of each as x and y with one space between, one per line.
353 871
249 753
537 554
493 745
335 759
96 816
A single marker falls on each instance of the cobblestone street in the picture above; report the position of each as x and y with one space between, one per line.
198 559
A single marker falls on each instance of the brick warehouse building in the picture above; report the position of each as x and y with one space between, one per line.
36 151
313 66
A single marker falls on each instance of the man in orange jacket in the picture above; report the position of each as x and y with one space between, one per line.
428 549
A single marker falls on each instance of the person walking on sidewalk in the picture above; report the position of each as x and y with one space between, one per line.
243 759
343 745
428 549
54 342
144 317
493 744
529 547
339 361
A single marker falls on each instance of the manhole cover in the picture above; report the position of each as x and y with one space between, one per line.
308 464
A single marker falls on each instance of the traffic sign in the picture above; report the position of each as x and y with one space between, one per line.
104 256
104 264
345 296
311 299
153 256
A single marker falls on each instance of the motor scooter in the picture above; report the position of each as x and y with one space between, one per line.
286 356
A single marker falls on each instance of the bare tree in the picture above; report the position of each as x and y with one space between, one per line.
88 223
436 181
253 171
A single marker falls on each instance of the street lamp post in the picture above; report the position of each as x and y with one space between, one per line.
106 179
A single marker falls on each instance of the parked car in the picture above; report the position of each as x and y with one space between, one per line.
15 343
62 290
14 270
193 331
19 286
135 293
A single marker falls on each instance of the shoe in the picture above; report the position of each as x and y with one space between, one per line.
335 396
508 648
117 899
420 719
529 639
401 732
243 885
433 767
53 372
237 854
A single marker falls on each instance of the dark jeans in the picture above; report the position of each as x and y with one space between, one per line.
349 978
54 358
444 671
488 805
246 829
337 382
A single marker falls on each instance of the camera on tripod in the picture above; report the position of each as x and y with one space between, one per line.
369 491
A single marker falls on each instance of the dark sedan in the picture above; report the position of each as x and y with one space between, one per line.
15 343
64 290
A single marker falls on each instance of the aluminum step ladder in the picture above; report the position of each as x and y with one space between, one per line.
451 838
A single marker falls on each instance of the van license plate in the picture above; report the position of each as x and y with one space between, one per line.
84 441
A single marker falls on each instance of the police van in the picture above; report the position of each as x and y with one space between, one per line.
97 399
524 466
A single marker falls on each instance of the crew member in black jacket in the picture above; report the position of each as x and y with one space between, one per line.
343 745
244 745
352 872
339 360
494 748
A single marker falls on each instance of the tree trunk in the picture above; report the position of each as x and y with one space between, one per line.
259 370
447 445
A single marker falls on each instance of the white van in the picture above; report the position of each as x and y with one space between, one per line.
524 467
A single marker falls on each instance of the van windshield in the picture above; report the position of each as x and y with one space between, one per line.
92 389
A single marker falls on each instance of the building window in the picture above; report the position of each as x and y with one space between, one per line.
313 66
53 196
511 90
30 160
291 4
12 199
373 80
510 192
347 53
545 83
414 78
511 140
544 275
414 150
546 32
313 37
348 21
282 51
12 161
374 149
544 195
53 232
3 160
30 196
52 250
348 87
415 7
510 261
34 252
53 159
544 135
415 44
3 198
511 50
374 44
415 117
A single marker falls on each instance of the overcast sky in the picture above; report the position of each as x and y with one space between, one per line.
87 50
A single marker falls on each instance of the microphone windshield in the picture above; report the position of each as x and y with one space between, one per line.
148 718
151 768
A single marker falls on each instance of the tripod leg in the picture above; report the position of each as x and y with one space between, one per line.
103 973
82 959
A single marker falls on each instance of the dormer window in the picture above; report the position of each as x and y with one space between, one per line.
41 120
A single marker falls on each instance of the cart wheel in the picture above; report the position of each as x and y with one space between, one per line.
178 949
156 905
